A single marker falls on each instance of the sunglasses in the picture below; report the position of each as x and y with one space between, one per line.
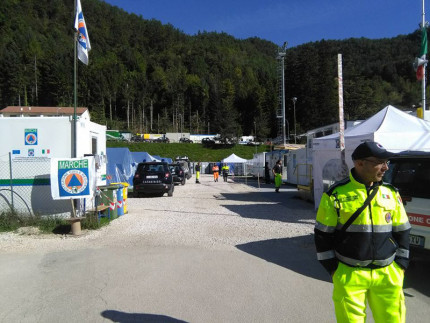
378 162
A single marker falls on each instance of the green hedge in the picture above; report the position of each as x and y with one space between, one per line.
195 152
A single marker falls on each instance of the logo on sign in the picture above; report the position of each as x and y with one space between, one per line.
74 181
30 137
73 177
31 153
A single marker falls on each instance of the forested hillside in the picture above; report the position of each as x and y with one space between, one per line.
207 82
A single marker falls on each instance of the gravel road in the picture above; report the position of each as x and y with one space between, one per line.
214 252
209 215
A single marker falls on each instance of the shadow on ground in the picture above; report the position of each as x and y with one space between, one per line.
417 275
296 254
122 317
285 206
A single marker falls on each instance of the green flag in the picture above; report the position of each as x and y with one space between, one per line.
424 42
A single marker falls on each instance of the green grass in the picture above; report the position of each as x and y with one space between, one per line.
195 152
11 221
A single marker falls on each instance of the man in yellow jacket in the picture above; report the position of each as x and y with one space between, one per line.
277 175
362 240
225 170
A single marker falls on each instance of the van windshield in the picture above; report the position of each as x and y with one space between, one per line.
410 176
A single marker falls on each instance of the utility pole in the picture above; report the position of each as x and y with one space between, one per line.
151 114
281 71
295 128
35 77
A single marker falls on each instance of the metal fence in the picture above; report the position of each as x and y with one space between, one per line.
25 187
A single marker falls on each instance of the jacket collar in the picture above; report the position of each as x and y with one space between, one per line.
357 184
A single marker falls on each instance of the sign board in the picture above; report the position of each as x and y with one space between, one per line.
30 136
72 178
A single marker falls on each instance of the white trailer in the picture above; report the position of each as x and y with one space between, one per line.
299 167
275 155
255 166
30 137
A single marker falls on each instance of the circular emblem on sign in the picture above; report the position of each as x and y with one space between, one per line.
30 138
74 181
388 217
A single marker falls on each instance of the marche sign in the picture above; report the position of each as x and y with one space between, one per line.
72 178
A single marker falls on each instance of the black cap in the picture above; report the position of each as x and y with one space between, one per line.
371 149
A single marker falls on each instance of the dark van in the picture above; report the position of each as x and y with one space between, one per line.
153 178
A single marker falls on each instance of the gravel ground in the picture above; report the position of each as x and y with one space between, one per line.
208 215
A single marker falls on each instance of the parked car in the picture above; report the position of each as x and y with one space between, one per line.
185 140
208 142
138 139
186 165
410 173
153 178
178 173
161 139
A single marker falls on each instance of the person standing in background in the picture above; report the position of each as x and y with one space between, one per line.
198 173
215 170
277 173
225 171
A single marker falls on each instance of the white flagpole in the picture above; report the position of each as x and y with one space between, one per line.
423 82
75 39
344 169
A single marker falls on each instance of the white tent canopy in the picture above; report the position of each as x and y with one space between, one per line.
233 158
394 129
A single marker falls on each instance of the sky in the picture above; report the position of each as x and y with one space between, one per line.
294 21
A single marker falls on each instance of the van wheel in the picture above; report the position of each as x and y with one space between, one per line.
183 181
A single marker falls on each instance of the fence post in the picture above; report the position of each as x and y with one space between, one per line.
11 180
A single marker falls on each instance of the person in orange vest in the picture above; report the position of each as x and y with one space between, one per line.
215 170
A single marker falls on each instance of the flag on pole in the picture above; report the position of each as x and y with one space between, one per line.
421 61
83 39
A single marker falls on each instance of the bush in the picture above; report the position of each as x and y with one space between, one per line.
11 221
91 222
51 224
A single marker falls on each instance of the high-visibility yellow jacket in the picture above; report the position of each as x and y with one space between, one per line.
379 235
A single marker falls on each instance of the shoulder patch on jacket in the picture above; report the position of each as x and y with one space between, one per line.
342 182
390 186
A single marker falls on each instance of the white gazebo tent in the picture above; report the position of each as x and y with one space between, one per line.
233 158
394 129
236 164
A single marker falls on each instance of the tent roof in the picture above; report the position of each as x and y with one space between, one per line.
234 159
388 120
140 156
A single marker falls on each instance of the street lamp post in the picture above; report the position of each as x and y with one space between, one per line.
294 99
281 57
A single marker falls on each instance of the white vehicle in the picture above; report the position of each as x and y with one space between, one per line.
410 173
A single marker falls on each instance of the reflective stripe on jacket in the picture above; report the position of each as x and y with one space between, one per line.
379 235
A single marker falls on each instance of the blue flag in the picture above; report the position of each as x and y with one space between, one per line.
83 39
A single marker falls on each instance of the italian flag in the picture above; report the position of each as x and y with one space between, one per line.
423 53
